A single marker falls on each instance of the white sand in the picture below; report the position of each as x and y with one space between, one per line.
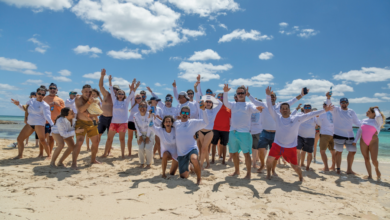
117 189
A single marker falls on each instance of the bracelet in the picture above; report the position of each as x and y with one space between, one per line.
89 102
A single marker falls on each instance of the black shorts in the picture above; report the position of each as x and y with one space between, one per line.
306 144
104 124
131 126
47 128
36 136
220 135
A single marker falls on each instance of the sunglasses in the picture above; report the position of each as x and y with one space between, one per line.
53 88
307 107
220 97
143 106
240 93
121 94
138 98
209 93
115 89
73 93
185 113
41 94
143 96
344 103
191 93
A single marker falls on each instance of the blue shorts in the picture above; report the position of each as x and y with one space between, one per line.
266 139
240 141
184 161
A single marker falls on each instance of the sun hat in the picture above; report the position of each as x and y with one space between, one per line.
210 98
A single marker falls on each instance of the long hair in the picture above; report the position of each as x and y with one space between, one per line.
64 112
383 116
120 90
165 118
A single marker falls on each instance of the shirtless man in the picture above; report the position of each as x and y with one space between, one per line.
85 122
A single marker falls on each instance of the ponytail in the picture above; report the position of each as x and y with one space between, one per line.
64 112
383 116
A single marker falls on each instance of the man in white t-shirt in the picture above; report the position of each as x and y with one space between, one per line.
70 102
325 121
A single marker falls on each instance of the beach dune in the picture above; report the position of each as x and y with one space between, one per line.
117 189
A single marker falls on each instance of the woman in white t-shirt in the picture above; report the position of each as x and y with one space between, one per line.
130 124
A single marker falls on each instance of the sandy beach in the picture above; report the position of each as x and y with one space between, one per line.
117 189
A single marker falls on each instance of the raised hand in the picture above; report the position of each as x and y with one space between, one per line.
329 108
174 83
137 85
268 90
303 94
202 105
299 106
103 72
134 80
16 102
198 78
328 95
247 91
260 108
149 89
131 87
226 88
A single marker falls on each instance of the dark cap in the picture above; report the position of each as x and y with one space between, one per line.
142 92
209 91
53 84
344 100
43 87
154 98
168 99
33 93
72 93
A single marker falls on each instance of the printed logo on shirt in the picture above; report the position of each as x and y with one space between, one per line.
329 116
52 108
255 117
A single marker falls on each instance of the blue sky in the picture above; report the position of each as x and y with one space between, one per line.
285 44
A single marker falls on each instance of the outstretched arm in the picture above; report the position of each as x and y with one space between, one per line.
271 109
101 81
226 102
175 94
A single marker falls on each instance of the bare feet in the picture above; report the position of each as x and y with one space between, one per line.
148 167
351 172
303 165
274 173
88 149
255 166
208 166
95 162
324 169
61 165
17 157
164 176
378 173
141 166
212 162
104 156
307 168
48 158
367 177
268 176
332 169
52 165
248 176
199 182
235 174
223 163
123 156
74 167
301 179
338 171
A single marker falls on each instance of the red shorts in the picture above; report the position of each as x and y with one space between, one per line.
118 127
289 154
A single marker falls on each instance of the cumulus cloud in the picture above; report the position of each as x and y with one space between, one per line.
157 84
315 86
193 33
370 74
266 56
149 23
124 54
89 82
85 49
306 33
207 70
39 5
18 66
62 79
122 83
33 82
243 35
205 55
7 87
223 26
364 100
95 75
205 7
65 72
41 47
256 81
382 96
283 24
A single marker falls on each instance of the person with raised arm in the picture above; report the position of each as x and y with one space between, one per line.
212 107
167 136
187 149
133 110
184 99
106 117
369 141
85 122
38 113
143 122
286 135
344 118
267 136
240 138
167 108
154 109
119 117
63 132
256 129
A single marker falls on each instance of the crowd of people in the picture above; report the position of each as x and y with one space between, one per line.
186 134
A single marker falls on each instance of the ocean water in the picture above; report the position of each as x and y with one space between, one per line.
11 131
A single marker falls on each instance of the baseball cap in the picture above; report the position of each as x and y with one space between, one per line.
154 98
344 100
33 93
116 87
142 92
53 84
72 93
209 91
184 94
168 99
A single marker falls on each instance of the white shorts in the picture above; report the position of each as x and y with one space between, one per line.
339 145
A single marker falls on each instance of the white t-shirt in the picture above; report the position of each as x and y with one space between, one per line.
185 132
307 128
211 113
343 121
167 140
120 108
38 113
192 104
64 128
286 134
172 111
241 114
256 126
266 120
376 123
325 121
70 104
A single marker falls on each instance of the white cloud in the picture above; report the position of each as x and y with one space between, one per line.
175 58
384 96
150 23
85 49
7 87
207 70
315 86
39 5
283 24
32 72
41 47
65 72
122 83
266 56
364 100
205 55
223 26
33 82
212 26
157 84
89 82
193 33
256 81
306 33
95 75
62 79
125 54
370 74
205 7
168 89
15 65
243 35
